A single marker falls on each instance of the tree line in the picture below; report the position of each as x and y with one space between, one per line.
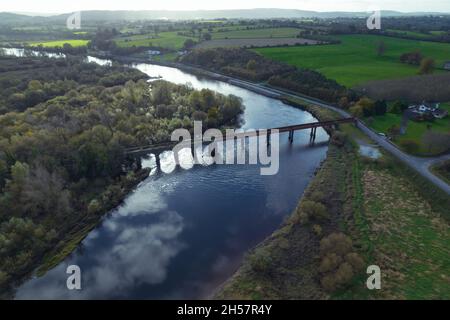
62 162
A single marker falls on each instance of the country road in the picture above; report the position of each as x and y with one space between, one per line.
420 165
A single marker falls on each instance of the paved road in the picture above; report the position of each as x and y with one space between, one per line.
421 165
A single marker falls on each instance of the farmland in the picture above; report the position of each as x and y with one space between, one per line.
254 42
60 43
169 39
355 60
257 33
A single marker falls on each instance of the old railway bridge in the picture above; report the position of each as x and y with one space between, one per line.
156 149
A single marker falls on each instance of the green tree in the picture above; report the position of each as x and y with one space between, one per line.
427 66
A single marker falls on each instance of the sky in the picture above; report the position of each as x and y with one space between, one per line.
63 6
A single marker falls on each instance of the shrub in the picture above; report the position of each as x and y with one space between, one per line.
313 210
338 243
317 229
330 262
338 138
355 261
317 196
94 206
409 146
338 263
261 263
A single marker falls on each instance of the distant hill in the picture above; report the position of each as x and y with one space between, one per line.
104 15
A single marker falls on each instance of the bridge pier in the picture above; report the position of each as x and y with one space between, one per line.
158 160
312 136
291 136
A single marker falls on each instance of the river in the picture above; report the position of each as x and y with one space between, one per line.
179 235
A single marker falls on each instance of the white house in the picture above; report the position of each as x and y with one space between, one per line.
428 109
154 52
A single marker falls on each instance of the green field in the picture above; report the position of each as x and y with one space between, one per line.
169 40
257 33
355 61
412 33
60 43
415 130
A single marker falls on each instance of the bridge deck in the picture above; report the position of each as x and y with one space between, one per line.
240 135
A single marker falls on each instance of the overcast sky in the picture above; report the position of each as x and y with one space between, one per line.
59 6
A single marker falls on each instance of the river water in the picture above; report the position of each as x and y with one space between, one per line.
179 235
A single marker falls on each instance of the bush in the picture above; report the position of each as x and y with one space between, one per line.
338 138
317 196
261 263
409 146
311 210
338 263
317 229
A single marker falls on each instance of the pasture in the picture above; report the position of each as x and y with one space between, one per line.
415 131
256 42
169 40
356 61
257 33
60 43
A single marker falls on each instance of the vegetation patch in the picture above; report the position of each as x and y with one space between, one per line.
169 40
61 43
357 58
442 170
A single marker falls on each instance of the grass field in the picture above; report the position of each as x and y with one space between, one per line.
413 33
415 130
60 43
409 239
169 40
355 60
257 33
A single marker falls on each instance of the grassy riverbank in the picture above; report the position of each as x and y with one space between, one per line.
395 219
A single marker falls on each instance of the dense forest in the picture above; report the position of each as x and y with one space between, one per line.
249 65
63 130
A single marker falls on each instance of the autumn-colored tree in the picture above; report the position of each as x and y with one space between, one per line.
427 66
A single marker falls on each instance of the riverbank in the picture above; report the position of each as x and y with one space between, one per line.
382 205
71 240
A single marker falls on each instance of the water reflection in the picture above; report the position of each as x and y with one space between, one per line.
18 52
133 247
180 235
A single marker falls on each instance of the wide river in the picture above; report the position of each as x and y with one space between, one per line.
179 235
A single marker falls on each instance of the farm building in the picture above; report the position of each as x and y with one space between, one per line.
154 52
447 65
427 111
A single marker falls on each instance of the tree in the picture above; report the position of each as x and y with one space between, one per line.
427 66
189 44
436 142
45 192
338 263
364 107
251 65
409 146
207 36
394 131
380 107
357 111
381 48
161 93
311 210
398 107
414 57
